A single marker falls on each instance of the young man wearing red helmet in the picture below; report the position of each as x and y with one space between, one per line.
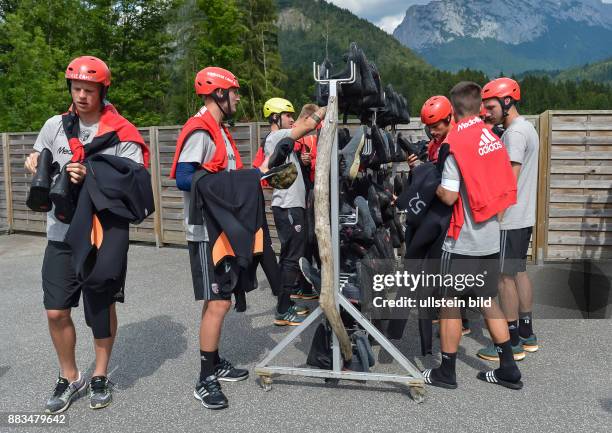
206 143
66 138
477 180
521 140
437 116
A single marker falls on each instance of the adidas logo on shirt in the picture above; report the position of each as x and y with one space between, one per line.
488 143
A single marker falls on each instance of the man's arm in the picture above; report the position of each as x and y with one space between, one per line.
446 196
448 190
303 126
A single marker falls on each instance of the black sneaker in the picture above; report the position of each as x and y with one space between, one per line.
100 392
64 394
226 372
209 393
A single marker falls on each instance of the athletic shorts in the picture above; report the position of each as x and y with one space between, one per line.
513 253
205 288
62 291
483 269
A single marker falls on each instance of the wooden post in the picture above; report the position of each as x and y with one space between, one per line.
7 181
327 299
156 184
541 237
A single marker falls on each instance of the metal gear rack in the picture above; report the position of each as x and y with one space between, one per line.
414 379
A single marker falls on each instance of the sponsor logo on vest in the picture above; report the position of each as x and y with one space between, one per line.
468 123
488 143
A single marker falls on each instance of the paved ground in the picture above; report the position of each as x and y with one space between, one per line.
568 384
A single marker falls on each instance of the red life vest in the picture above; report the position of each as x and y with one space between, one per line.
203 121
485 169
112 126
308 144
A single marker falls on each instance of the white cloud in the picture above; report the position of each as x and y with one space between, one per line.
389 23
376 10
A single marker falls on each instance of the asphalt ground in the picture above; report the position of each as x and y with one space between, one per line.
568 383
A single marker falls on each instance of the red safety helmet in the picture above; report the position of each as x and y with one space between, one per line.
435 109
502 88
89 68
212 78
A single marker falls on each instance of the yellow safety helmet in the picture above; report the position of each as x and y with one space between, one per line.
277 106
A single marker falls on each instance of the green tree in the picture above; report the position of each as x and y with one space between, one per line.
260 72
207 33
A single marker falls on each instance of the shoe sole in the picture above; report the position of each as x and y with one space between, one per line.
466 331
510 385
531 348
208 406
516 356
304 297
303 313
78 394
232 379
357 160
286 323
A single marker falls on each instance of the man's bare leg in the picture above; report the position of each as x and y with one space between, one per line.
63 336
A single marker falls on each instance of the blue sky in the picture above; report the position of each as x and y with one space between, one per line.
386 14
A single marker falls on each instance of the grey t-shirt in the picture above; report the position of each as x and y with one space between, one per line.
52 137
200 148
522 143
295 195
475 239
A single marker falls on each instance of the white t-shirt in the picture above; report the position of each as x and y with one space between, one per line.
53 137
523 145
295 195
200 148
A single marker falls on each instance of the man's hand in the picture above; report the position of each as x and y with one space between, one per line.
31 162
264 165
77 172
413 160
305 157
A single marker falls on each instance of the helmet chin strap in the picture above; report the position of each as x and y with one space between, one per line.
505 107
225 98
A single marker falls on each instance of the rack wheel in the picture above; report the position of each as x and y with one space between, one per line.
331 381
417 393
266 382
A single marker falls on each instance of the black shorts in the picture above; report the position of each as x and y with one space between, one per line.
513 250
205 287
483 269
62 291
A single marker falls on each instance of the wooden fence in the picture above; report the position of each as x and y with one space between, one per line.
574 209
